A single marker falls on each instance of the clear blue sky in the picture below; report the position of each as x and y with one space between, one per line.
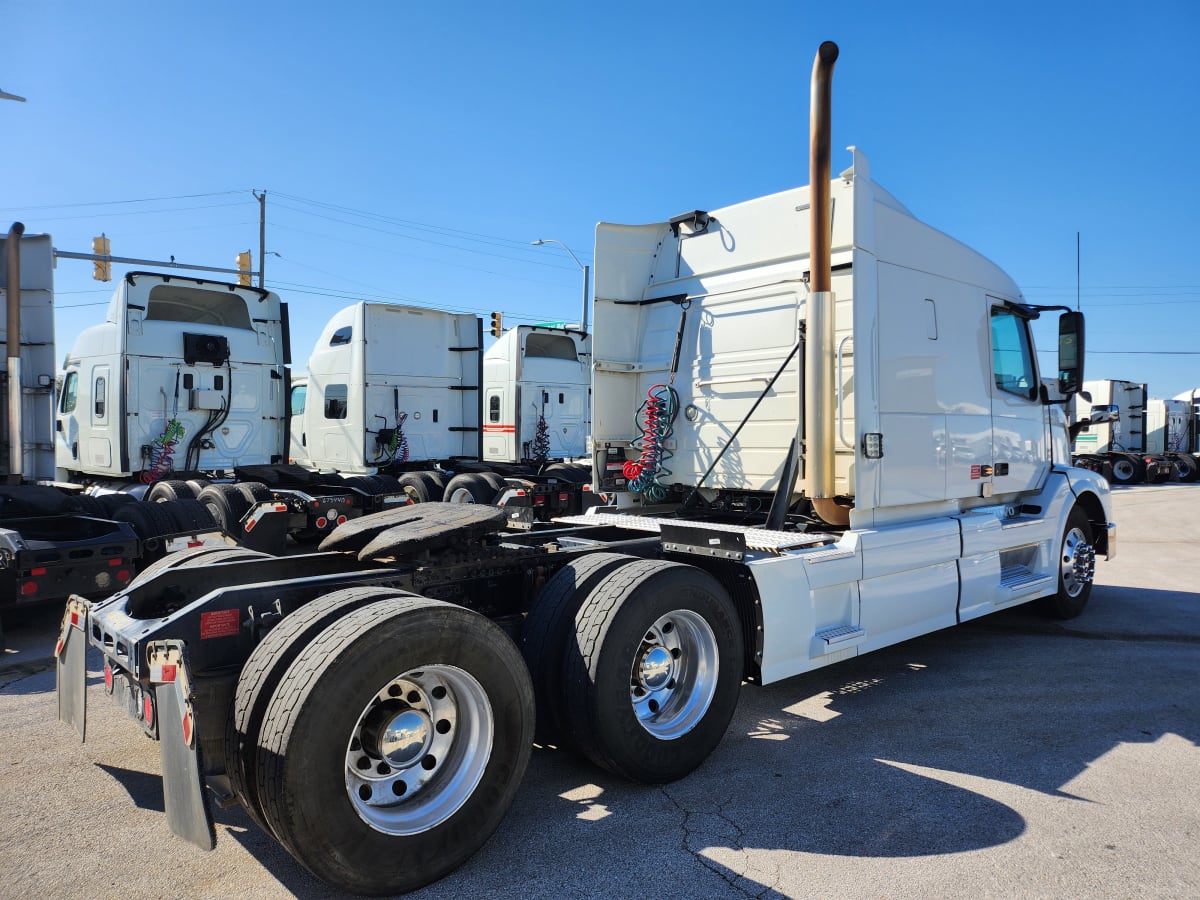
411 151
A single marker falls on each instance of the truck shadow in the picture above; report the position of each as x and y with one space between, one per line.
934 746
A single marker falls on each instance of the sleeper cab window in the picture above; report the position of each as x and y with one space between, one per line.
336 401
98 396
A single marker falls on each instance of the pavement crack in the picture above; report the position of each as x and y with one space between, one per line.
692 828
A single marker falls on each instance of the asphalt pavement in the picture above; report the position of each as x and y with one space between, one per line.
1008 757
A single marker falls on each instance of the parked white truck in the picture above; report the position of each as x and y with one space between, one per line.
410 392
1169 433
55 540
181 393
867 467
1118 449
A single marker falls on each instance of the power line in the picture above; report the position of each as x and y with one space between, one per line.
143 212
411 237
118 202
442 230
393 252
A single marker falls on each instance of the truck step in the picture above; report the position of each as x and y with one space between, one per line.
1022 580
839 634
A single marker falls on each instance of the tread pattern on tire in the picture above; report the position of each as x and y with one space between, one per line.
592 624
481 490
190 515
416 487
288 708
546 630
169 489
262 673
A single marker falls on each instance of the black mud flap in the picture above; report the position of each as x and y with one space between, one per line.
71 666
264 528
185 798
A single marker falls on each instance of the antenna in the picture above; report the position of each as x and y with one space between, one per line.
1077 271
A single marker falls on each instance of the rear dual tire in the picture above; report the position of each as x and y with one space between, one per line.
394 743
651 675
472 487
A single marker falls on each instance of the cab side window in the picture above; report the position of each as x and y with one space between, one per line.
1012 354
70 393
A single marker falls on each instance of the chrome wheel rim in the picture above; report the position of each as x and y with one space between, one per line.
1078 562
419 749
674 674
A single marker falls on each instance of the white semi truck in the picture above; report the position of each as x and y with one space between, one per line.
182 392
1192 399
821 439
410 392
55 540
1118 449
1171 433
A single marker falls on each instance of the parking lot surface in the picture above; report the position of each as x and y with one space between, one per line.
1009 757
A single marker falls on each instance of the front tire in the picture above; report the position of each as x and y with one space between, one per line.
1076 564
395 743
653 674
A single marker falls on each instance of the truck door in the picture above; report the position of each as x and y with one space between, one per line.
499 425
297 441
1020 454
565 410
66 426
87 419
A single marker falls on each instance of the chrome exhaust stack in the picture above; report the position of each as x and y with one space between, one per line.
12 289
819 387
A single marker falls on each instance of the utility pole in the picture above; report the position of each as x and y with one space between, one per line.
262 236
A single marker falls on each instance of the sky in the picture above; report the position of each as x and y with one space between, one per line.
410 152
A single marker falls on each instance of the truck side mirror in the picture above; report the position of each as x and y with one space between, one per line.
1070 353
1104 413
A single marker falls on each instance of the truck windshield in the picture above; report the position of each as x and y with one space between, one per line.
178 303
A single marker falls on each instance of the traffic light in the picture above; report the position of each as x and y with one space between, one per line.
102 268
497 324
244 267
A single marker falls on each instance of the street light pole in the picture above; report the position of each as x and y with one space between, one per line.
586 278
